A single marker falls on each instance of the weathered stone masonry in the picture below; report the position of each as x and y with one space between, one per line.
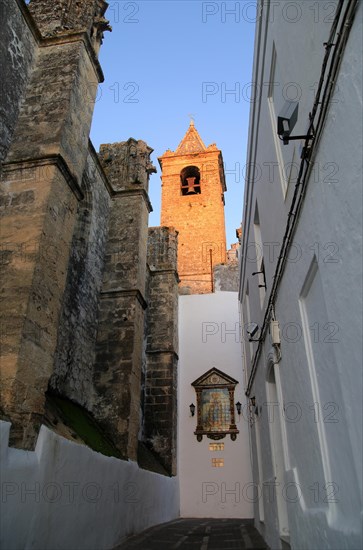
160 410
89 302
75 353
17 57
45 161
123 297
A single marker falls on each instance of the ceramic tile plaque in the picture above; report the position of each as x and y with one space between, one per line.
215 405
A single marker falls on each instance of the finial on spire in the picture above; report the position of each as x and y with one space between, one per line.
191 119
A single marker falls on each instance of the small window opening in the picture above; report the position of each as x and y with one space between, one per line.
190 180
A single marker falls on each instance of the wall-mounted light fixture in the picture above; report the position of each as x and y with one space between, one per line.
251 331
286 122
264 277
238 407
192 409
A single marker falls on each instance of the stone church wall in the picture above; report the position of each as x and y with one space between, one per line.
75 353
41 181
17 54
160 407
120 341
74 249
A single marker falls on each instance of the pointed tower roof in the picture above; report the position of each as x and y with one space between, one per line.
191 142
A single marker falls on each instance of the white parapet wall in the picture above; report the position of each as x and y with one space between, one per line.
64 495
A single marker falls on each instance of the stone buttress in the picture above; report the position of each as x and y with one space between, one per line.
120 339
160 406
41 186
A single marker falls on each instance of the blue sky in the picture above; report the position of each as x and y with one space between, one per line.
167 59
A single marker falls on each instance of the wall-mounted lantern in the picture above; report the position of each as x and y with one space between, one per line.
238 407
287 120
192 409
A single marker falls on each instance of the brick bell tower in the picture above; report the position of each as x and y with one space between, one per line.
193 186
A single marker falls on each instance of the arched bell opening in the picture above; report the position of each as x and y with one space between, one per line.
190 180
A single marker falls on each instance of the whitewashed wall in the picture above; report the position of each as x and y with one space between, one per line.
312 441
66 496
209 336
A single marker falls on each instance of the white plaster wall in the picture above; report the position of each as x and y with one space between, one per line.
204 342
322 446
64 495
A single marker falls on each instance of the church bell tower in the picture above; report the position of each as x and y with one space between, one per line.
193 186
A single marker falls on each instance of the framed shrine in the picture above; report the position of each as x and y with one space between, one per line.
215 405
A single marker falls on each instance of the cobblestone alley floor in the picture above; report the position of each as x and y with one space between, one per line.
198 534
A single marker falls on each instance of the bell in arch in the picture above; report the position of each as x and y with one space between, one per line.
191 184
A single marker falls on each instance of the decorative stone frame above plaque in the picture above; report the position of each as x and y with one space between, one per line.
215 405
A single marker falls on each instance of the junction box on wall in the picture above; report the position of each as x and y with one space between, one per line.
275 332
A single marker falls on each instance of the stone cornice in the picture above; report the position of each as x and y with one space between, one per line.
162 351
47 160
72 37
65 38
122 292
157 271
134 193
181 157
